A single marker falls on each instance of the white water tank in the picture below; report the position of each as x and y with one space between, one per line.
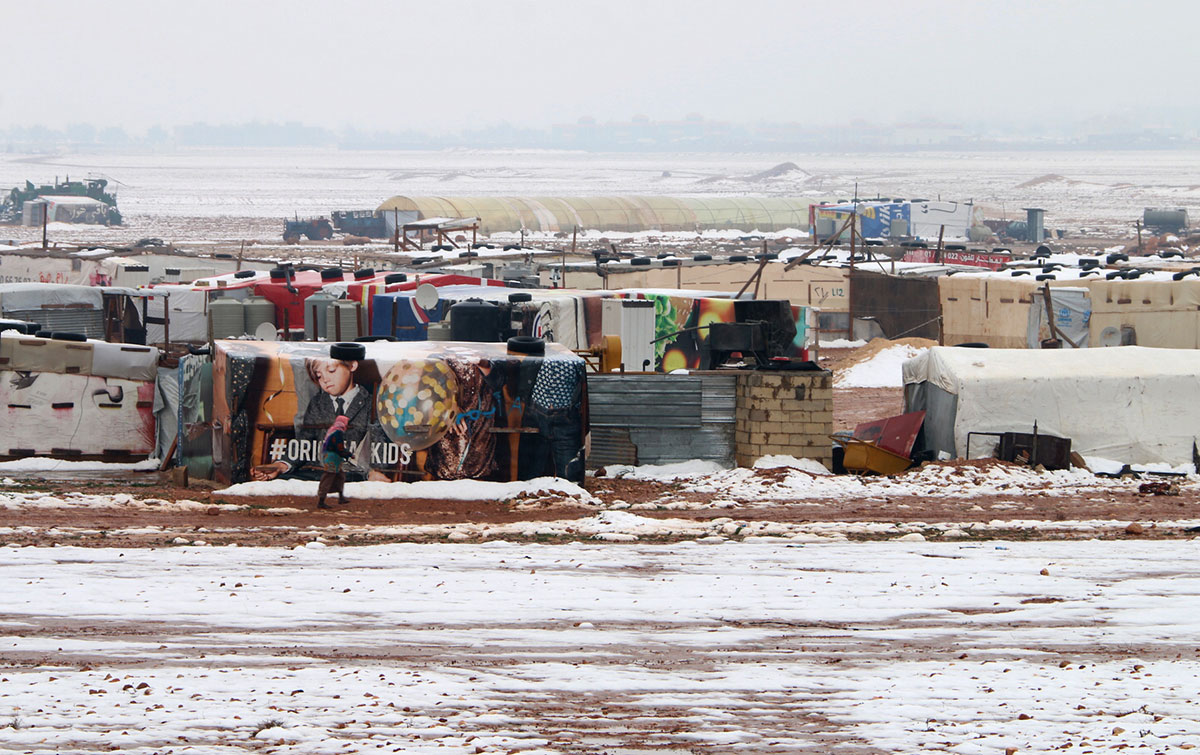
226 318
258 311
315 308
341 321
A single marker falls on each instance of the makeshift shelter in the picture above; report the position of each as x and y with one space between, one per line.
76 399
417 410
1127 403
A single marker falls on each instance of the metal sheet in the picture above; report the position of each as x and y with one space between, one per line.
660 419
89 322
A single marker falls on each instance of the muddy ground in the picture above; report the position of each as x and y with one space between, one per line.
276 520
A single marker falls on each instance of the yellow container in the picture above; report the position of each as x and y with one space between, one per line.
862 456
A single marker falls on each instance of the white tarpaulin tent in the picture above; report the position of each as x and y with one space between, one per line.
1131 404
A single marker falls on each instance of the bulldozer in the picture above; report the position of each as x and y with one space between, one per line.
316 229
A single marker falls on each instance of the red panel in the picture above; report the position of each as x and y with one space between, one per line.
896 434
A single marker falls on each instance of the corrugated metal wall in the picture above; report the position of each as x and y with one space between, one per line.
661 419
89 322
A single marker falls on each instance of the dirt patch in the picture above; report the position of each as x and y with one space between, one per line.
852 406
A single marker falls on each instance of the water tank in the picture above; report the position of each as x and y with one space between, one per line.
341 321
315 307
475 320
226 318
258 311
1165 219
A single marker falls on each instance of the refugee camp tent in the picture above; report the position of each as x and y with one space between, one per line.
1129 403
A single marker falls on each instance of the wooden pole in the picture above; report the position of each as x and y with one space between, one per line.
850 279
396 235
1139 231
46 218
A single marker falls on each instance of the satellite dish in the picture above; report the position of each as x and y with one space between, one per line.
1110 336
427 296
266 332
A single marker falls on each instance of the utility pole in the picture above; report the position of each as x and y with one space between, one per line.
46 218
1139 231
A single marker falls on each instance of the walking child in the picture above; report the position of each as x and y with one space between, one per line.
334 454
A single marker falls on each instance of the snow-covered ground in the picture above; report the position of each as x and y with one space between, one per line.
1079 189
753 647
884 369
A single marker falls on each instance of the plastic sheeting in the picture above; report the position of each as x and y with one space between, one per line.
1132 404
188 312
617 213
27 296
57 414
166 410
1072 308
123 360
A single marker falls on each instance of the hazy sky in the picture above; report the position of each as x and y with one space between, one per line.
441 64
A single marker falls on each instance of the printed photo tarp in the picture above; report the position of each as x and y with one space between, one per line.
418 411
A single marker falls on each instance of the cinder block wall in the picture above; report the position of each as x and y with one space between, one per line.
784 413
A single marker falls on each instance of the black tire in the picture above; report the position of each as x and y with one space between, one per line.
971 345
530 345
332 274
519 298
1018 273
244 274
373 339
466 255
363 274
1112 275
353 352
1047 277
640 261
767 256
478 245
1116 257
662 255
511 247
395 278
670 263
739 258
702 257
60 335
